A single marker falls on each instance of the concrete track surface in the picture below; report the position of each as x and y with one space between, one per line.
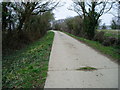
68 55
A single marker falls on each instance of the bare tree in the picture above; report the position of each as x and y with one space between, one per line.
23 10
91 11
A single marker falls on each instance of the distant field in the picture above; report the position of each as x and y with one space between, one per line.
113 33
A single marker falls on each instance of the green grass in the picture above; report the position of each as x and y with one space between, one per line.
113 33
107 50
87 68
27 68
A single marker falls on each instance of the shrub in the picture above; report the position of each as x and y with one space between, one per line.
109 41
117 43
106 42
74 25
99 36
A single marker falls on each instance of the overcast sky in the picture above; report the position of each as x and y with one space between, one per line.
63 12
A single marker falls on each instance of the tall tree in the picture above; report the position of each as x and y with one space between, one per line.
91 12
4 14
116 20
23 10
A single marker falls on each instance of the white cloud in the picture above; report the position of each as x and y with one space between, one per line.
63 12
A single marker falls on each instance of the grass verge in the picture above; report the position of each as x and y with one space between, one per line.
107 50
27 68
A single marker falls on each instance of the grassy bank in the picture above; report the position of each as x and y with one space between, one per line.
27 68
107 50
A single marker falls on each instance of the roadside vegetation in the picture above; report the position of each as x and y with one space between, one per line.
24 23
27 68
26 44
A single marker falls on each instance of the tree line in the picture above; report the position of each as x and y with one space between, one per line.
86 23
25 22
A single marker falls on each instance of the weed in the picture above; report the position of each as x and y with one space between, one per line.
87 68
